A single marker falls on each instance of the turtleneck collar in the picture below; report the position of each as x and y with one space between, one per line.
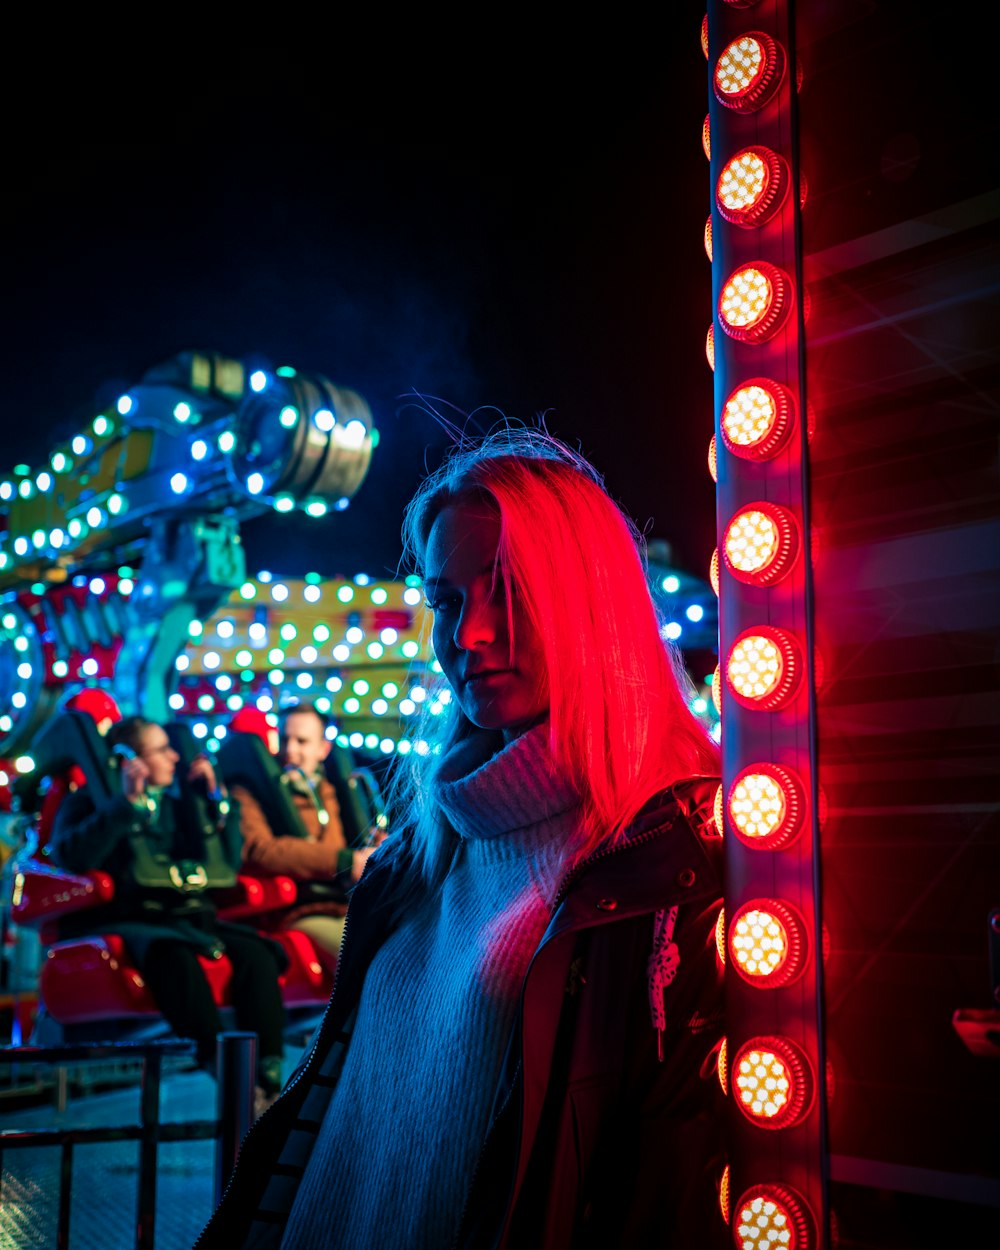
487 789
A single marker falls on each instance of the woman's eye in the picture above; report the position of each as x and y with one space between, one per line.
443 605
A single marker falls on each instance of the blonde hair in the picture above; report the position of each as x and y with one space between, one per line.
619 720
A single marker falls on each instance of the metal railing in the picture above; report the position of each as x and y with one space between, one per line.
236 1065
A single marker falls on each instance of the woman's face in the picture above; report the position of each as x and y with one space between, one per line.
497 686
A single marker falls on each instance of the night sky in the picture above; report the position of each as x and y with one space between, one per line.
490 221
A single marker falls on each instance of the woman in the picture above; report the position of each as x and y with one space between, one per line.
518 1049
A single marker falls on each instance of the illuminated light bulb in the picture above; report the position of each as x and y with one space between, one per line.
713 461
694 612
341 652
182 663
757 418
25 489
719 810
411 596
257 381
43 481
176 702
312 594
764 668
24 671
713 572
89 667
182 412
97 586
234 702
116 504
21 643
179 483
380 707
255 483
18 699
226 441
205 703
672 631
354 635
288 417
773 1216
59 462
345 593
704 35
24 764
356 741
244 658
706 138
772 1082
388 636
717 689
59 668
751 187
309 655
279 592
410 648
316 507
353 435
710 347
749 72
766 943
304 681
95 517
223 683
324 420
766 806
288 632
199 729
707 237
351 706
755 302
6 490
276 677
387 746
333 684
276 656
379 595
724 1195
321 633
360 686
720 1067
39 538
257 632
264 703
212 659
761 543
21 546
390 689
720 935
80 444
671 584
225 629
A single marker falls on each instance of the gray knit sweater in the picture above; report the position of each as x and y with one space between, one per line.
395 1154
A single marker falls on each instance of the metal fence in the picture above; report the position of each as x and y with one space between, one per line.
234 1113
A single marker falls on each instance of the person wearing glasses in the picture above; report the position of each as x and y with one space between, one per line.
163 869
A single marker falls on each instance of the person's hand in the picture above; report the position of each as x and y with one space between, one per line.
201 770
134 775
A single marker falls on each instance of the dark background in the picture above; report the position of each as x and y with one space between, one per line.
492 220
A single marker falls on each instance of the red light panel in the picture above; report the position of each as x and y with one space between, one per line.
713 467
749 72
751 187
764 668
772 1082
757 419
710 347
766 943
772 1216
761 543
766 806
755 302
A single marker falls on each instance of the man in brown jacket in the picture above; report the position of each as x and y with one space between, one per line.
322 855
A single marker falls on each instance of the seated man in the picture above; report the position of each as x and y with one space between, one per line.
322 855
161 908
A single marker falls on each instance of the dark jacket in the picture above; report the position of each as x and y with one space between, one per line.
594 1140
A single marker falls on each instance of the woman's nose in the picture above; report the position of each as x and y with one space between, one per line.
478 626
